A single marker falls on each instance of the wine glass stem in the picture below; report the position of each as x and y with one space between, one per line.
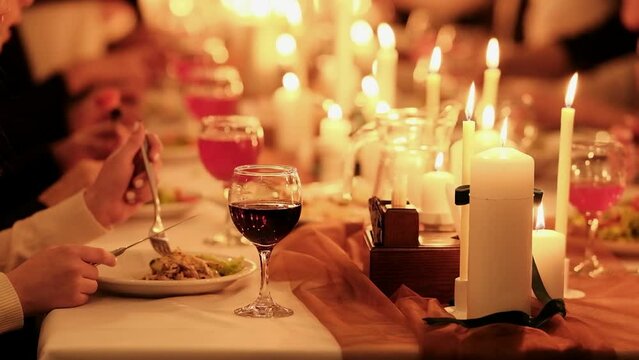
593 225
265 255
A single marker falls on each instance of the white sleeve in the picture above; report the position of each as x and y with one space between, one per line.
69 222
11 316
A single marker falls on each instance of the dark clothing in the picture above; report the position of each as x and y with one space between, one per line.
609 40
32 117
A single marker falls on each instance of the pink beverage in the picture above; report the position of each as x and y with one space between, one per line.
590 199
221 155
201 106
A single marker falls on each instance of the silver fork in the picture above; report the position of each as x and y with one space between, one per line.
121 250
159 239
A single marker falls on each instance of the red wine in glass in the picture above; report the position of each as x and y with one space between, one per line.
221 155
265 223
594 198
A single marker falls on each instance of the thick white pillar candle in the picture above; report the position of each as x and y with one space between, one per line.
386 58
333 144
565 153
487 137
549 251
293 111
434 202
433 84
491 74
500 250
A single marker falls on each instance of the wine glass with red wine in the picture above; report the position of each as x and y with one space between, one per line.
597 181
224 143
265 202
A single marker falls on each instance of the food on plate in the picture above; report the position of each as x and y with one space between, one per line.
177 194
181 266
620 223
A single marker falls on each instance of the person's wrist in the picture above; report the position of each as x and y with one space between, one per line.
96 208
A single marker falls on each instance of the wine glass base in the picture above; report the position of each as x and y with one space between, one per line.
223 239
263 310
574 294
590 267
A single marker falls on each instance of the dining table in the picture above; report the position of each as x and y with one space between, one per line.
319 271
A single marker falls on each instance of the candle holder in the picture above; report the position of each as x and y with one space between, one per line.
402 253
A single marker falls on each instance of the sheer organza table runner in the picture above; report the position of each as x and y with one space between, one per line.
326 265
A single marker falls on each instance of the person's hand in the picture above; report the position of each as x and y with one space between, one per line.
97 106
95 142
79 177
58 277
627 133
114 197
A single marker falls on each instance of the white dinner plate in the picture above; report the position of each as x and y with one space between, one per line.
169 210
126 278
623 248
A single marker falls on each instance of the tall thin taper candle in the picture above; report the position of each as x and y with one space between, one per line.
565 151
491 74
433 83
468 135
344 54
387 55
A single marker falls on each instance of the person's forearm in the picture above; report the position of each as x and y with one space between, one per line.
550 61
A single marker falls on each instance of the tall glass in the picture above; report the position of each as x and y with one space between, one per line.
224 143
265 202
597 181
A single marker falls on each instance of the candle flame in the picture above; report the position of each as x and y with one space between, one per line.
435 60
439 160
361 32
571 90
470 102
386 36
370 87
504 132
290 81
540 223
260 8
293 13
492 54
488 117
374 68
382 107
334 112
181 8
285 44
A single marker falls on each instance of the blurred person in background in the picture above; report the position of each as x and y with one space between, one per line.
60 123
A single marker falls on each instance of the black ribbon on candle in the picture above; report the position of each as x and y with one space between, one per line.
550 308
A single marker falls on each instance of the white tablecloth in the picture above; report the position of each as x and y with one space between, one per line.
185 327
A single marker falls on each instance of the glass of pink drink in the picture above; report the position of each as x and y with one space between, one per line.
597 181
212 89
224 143
265 203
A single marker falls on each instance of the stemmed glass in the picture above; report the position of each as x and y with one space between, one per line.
211 89
597 181
265 202
224 143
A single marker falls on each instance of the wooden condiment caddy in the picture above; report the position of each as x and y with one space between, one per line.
427 261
